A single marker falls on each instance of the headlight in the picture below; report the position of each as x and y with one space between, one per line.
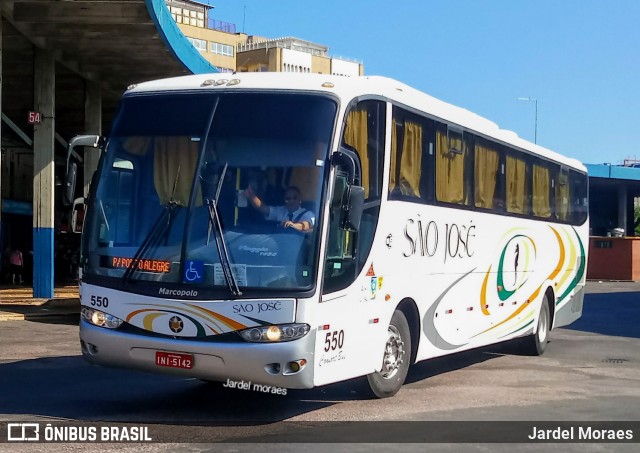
271 334
100 319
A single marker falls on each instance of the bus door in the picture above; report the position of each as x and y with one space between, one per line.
348 339
351 336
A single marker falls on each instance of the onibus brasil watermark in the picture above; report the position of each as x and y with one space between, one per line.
48 432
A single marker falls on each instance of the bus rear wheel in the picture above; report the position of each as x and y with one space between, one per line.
537 343
396 358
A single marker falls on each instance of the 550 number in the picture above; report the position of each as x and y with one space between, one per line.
334 340
99 301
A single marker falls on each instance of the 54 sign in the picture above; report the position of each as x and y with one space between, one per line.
34 117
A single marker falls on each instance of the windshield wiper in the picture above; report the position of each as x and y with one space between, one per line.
159 231
218 236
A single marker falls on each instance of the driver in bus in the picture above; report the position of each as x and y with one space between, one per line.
290 215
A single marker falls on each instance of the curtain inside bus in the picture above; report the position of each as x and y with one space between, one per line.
175 160
451 154
174 164
486 176
541 192
407 177
562 196
516 185
356 136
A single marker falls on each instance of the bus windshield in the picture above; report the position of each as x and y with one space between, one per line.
195 189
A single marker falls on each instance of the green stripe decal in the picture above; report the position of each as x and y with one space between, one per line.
504 294
581 268
518 330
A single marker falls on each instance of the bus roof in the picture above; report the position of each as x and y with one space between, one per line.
348 88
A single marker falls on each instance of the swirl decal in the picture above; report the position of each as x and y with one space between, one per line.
201 319
430 330
579 273
519 267
149 318
536 292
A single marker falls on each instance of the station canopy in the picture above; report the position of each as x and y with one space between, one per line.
112 42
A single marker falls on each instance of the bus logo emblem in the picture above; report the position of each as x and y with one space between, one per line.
175 324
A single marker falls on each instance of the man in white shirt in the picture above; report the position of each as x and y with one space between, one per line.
291 215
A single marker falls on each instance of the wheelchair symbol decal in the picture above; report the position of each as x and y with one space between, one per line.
193 271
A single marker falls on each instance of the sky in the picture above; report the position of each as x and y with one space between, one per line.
580 59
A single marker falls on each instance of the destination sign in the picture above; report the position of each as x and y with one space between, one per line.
141 264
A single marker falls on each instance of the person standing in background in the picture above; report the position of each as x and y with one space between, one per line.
16 263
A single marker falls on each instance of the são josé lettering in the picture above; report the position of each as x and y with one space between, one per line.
258 307
424 239
583 432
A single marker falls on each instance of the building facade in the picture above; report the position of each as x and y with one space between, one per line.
229 50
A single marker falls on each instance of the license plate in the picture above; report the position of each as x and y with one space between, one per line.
174 360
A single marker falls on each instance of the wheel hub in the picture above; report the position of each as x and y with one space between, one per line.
393 353
543 327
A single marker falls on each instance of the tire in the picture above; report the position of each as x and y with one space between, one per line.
396 358
537 343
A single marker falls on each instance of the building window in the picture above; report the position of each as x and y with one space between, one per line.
199 44
222 49
188 17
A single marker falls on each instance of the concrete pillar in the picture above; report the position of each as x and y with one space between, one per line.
92 125
1 232
622 208
43 174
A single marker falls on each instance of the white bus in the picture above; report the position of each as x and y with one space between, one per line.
432 231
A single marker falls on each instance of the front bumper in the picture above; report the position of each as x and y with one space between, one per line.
216 361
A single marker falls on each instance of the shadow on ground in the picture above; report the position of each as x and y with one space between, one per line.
616 314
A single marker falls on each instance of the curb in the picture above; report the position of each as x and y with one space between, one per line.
12 317
39 309
60 302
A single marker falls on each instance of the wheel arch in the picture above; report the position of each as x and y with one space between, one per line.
551 300
410 310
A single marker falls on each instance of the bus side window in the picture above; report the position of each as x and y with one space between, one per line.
541 192
451 166
340 266
562 194
487 176
517 185
579 198
364 132
408 178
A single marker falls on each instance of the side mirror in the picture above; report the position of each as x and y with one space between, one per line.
92 141
77 215
352 214
70 183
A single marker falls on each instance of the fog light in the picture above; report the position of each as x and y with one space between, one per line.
294 367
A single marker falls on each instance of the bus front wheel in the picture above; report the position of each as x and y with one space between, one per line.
396 358
536 344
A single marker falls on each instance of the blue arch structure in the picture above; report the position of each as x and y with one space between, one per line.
176 42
